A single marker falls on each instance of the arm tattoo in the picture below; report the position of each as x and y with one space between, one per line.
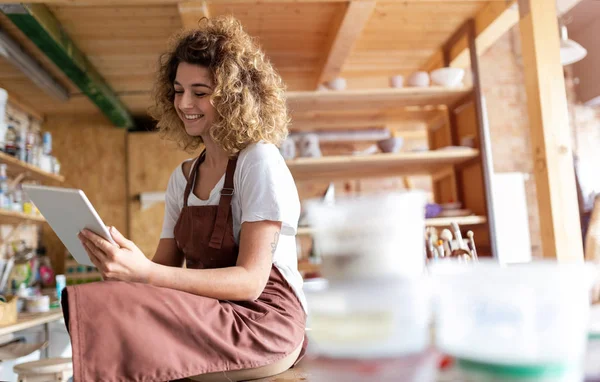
274 243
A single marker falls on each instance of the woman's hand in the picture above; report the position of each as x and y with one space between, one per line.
123 261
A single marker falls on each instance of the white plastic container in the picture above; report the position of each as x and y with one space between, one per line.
530 317
379 235
370 318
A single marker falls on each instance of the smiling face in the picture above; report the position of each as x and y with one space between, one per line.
193 87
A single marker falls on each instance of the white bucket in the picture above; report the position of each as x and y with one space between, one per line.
379 235
531 315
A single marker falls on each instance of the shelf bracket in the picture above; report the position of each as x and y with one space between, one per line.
148 199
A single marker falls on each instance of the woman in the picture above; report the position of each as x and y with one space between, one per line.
236 311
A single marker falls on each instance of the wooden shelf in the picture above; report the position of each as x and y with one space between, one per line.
14 217
435 222
30 320
87 275
378 165
305 266
16 167
460 220
374 99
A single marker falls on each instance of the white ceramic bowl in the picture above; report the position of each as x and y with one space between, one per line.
419 80
397 81
337 84
391 145
448 77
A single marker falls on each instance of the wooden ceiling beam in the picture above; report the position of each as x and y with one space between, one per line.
491 23
38 23
346 30
192 12
495 19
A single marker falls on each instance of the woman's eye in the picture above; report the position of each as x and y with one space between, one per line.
200 94
178 91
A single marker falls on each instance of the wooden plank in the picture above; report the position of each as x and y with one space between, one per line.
192 12
30 320
345 32
41 26
491 23
433 222
14 217
495 19
407 118
16 167
373 99
151 163
378 165
550 137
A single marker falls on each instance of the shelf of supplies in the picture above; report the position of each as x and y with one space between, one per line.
434 222
14 217
16 167
378 165
374 99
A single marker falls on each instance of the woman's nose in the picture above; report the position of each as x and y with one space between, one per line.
186 102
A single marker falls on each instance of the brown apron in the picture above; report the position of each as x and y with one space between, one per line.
122 331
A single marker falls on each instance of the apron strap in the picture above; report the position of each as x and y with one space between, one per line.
192 179
216 240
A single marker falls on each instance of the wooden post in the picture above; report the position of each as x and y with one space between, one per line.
550 131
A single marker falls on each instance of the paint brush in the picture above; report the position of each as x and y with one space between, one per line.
459 240
440 248
447 237
472 244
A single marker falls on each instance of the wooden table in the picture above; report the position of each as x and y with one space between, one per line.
31 320
310 370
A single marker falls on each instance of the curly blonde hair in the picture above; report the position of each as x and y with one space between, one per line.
249 95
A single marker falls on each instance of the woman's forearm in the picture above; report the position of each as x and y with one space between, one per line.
232 283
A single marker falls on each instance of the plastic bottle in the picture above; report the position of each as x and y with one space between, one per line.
47 143
4 197
3 125
10 141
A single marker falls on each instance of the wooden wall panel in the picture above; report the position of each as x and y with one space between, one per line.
92 156
151 162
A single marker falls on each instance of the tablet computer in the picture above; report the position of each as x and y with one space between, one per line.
68 211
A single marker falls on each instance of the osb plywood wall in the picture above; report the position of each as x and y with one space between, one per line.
151 162
92 156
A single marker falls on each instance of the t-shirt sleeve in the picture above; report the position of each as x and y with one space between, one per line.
268 192
172 207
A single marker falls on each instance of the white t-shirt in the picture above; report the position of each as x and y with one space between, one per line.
264 190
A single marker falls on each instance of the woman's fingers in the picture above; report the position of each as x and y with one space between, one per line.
95 260
103 244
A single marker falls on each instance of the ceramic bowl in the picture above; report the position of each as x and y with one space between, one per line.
418 79
337 84
448 77
391 145
397 81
